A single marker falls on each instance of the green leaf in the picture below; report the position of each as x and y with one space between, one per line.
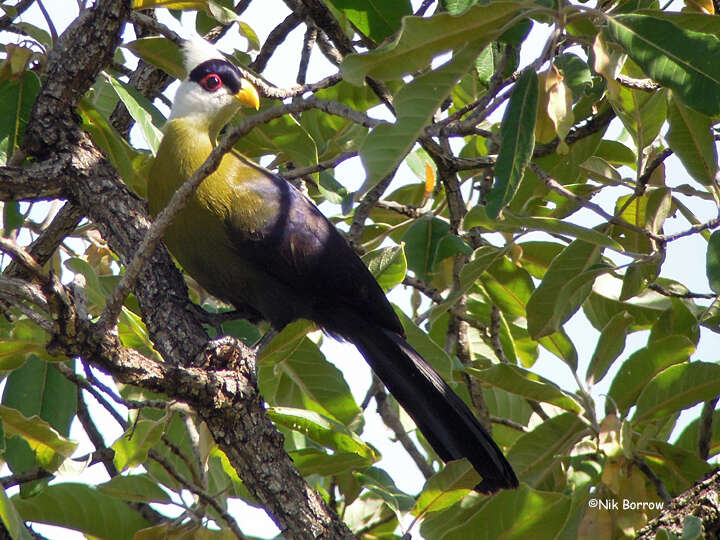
302 377
712 268
688 439
12 520
555 226
691 138
677 387
687 62
313 461
511 515
566 284
616 153
49 446
38 393
420 39
517 140
322 430
375 18
447 487
12 217
470 273
525 383
17 97
380 483
415 103
388 265
14 353
35 32
284 138
603 303
576 73
559 344
678 319
678 469
433 353
609 346
509 286
132 448
638 275
456 7
535 453
538 255
128 161
692 528
135 487
422 240
79 507
140 109
161 53
640 368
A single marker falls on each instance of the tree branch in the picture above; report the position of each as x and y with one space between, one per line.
225 399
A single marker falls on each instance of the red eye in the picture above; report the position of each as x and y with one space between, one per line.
211 82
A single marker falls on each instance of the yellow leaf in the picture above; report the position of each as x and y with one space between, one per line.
559 105
607 64
703 6
429 179
544 128
18 57
169 4
597 524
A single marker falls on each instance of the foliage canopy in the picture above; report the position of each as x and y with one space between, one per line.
527 196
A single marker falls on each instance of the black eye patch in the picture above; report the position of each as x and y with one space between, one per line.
227 72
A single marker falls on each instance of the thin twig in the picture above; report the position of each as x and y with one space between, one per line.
706 428
299 172
692 230
494 329
508 423
308 44
648 472
364 208
391 420
646 85
644 178
43 247
19 8
404 209
423 8
274 39
23 258
562 190
206 497
672 294
93 433
70 375
48 20
155 27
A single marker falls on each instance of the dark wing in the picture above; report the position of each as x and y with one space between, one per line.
289 239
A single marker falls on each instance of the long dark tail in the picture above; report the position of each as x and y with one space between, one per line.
447 423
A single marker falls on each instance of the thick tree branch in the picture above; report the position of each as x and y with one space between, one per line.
226 400
40 182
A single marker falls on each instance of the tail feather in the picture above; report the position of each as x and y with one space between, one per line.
446 421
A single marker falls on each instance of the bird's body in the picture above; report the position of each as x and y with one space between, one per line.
252 239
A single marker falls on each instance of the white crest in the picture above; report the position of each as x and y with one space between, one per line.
196 51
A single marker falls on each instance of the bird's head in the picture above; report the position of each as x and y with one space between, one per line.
214 88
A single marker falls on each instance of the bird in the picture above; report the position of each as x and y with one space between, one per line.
252 239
